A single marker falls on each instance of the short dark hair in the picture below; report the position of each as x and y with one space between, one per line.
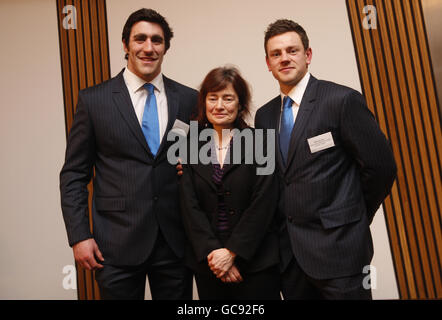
282 26
148 15
218 79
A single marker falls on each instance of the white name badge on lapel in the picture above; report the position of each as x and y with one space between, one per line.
180 127
321 142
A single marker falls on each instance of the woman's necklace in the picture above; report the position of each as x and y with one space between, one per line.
222 142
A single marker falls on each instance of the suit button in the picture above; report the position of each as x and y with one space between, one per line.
227 193
155 198
231 212
290 219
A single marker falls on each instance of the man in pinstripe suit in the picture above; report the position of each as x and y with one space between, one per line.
335 168
137 228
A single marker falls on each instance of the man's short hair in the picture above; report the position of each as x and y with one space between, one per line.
148 15
281 26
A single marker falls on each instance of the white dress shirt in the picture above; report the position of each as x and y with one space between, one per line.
138 95
296 95
223 149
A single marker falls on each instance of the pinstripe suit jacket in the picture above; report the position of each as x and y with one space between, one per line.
135 193
329 197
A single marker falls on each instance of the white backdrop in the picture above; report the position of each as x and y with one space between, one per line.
33 241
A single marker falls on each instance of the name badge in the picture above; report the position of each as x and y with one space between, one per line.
180 127
321 142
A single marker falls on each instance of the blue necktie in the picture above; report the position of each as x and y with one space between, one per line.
285 130
150 125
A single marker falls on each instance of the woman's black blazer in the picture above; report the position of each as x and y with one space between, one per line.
251 203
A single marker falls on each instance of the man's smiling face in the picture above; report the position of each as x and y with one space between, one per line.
287 59
146 49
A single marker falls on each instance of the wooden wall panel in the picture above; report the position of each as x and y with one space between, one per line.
85 62
398 83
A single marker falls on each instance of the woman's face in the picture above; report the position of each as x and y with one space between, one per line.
222 107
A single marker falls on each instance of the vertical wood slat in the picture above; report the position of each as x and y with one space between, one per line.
431 165
437 129
87 43
419 151
397 80
402 233
84 55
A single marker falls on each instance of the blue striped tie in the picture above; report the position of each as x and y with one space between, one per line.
150 124
285 130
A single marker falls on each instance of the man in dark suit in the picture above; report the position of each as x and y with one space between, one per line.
335 168
120 131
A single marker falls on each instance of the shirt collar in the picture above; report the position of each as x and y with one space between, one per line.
135 83
298 91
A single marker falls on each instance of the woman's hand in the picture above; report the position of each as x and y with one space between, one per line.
232 275
220 261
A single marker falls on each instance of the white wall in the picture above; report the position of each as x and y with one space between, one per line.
33 243
211 33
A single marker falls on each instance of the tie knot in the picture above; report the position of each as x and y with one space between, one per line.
149 87
287 102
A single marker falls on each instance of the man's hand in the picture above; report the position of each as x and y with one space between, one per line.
179 168
220 261
85 253
232 275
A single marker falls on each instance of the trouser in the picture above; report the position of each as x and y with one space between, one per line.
296 284
169 278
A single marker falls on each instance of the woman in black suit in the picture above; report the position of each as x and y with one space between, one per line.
229 211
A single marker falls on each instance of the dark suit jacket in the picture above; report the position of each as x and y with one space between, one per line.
251 203
330 197
135 194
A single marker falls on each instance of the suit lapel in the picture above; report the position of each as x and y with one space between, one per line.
204 170
274 122
124 104
305 109
172 109
229 166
